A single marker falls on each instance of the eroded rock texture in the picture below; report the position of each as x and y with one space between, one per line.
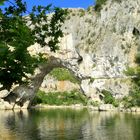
96 47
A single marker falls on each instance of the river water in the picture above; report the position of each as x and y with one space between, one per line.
68 124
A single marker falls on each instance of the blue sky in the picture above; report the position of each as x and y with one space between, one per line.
61 3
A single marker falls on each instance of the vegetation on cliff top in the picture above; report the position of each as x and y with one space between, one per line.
99 4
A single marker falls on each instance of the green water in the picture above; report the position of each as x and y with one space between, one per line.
68 124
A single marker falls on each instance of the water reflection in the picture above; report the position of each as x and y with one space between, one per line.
68 124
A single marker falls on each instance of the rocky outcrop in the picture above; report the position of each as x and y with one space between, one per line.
106 107
107 42
96 47
51 84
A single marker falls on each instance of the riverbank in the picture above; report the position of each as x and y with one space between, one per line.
103 107
76 106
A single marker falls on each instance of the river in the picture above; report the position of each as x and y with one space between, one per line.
68 124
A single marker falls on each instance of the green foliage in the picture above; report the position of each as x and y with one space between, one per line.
134 95
90 9
57 98
82 12
62 74
130 71
94 103
99 4
133 99
18 32
109 99
136 70
92 80
137 58
2 2
127 102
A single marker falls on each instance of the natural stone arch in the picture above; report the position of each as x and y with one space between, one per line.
22 96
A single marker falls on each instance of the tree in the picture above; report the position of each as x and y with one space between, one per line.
18 32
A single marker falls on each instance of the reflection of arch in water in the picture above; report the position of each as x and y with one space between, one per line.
9 118
41 124
68 124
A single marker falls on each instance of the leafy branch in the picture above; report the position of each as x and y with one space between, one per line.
18 32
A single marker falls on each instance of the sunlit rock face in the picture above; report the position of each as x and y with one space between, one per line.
98 47
50 84
107 42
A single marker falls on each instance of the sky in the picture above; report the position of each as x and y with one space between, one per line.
61 3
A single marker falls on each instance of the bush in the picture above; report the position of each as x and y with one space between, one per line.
127 102
135 96
94 103
82 12
90 9
92 80
99 4
133 99
57 98
109 99
62 74
130 71
137 59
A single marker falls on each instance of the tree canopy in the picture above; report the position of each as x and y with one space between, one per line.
18 32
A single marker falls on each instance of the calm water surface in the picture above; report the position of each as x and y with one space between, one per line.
68 124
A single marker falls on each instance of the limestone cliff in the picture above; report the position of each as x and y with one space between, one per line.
107 42
98 47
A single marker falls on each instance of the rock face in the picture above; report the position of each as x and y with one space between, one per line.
98 47
50 84
107 42
106 107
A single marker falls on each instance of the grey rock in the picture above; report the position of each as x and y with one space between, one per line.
106 107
